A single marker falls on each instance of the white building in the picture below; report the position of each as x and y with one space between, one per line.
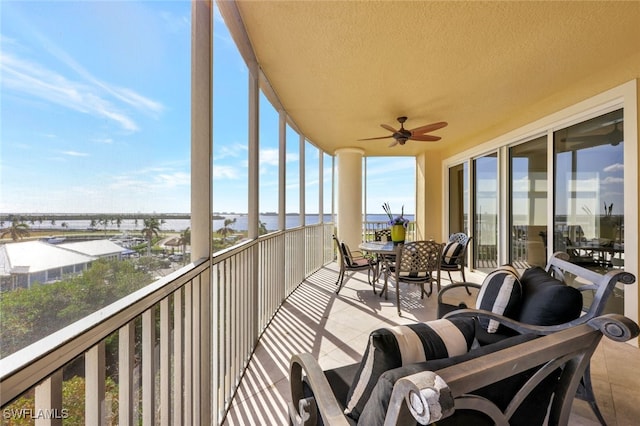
24 263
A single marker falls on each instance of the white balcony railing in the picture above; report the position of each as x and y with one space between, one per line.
370 227
161 333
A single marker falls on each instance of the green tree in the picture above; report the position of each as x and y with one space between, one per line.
27 315
73 397
262 228
150 228
105 223
17 230
184 240
226 229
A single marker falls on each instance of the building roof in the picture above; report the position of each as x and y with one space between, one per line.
35 256
98 248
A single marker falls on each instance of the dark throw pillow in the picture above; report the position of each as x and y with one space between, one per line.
548 301
394 347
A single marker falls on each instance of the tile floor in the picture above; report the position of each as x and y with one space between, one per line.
334 328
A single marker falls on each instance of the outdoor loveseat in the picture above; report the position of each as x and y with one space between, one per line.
513 381
539 301
474 366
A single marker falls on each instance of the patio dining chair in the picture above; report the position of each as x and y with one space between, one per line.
354 261
383 259
417 262
382 233
454 255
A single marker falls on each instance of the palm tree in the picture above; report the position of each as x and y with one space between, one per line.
226 230
104 222
262 228
185 238
16 231
150 228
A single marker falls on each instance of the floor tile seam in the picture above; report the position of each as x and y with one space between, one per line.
255 390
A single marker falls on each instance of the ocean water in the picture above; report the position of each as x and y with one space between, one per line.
178 225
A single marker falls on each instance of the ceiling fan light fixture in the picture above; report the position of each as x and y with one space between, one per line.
402 135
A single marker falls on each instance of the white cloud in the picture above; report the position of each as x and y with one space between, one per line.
221 152
617 167
225 172
269 157
75 154
171 180
106 141
612 180
90 97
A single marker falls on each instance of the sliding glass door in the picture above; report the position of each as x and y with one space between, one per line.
528 203
485 195
589 194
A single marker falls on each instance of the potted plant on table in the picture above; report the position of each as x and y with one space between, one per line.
398 225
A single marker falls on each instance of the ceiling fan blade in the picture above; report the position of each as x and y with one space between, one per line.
429 127
426 138
394 143
381 137
389 128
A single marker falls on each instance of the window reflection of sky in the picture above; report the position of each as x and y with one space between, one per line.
591 174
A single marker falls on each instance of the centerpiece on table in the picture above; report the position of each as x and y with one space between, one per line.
398 225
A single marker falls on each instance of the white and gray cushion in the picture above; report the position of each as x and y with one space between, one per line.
451 252
402 345
501 293
414 274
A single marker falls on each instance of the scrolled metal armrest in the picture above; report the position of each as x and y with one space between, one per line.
456 285
425 395
517 326
615 327
302 411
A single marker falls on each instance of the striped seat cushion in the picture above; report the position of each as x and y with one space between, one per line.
451 252
414 274
501 293
406 344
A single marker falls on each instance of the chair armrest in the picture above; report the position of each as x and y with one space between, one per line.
428 399
324 400
569 349
456 285
520 327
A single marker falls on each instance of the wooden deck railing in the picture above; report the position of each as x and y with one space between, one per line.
159 339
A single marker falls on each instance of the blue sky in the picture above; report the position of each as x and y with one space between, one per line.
95 115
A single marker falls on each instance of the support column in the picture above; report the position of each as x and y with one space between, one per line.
302 179
350 195
282 171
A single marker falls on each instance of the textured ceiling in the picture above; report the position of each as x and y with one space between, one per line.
340 69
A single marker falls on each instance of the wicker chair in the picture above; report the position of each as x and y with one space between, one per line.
455 260
417 262
354 261
380 233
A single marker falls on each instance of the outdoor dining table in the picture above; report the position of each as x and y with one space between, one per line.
386 251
